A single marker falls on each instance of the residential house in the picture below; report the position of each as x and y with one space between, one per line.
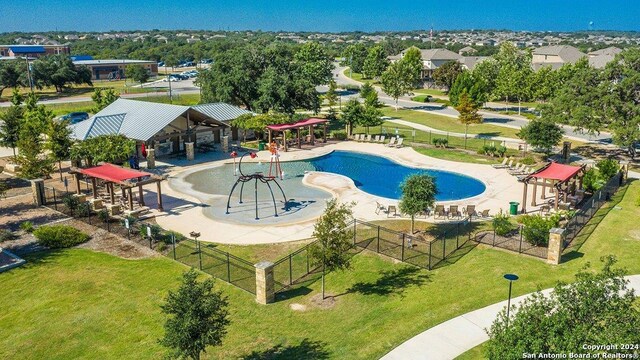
600 58
555 56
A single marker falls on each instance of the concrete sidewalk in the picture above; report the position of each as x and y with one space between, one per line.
454 337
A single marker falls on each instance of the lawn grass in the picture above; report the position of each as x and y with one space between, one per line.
429 92
87 106
446 123
359 77
77 303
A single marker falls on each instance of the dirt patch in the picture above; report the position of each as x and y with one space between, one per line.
15 210
634 234
327 303
298 307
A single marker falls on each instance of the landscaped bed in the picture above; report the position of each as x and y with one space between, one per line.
97 305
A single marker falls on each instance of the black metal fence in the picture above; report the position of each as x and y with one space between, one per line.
589 207
194 253
512 242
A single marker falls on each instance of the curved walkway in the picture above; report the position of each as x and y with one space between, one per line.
454 337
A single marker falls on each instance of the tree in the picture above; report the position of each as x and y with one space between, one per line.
543 83
197 317
418 194
58 71
59 142
334 237
352 112
11 123
375 63
107 148
468 114
397 80
514 71
4 187
470 84
541 133
103 98
370 95
445 75
597 309
258 123
12 74
371 116
137 73
30 144
313 63
486 71
413 66
332 98
355 56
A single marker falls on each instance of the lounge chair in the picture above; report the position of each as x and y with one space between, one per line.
470 211
439 212
399 143
368 139
381 141
390 209
516 169
502 165
485 213
356 137
392 142
380 207
376 138
453 211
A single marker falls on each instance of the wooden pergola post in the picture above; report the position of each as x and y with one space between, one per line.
284 140
141 200
311 135
160 207
112 194
544 189
76 177
94 187
533 197
524 198
557 199
270 135
130 199
325 133
299 138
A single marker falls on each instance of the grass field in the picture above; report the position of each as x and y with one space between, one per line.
78 303
87 106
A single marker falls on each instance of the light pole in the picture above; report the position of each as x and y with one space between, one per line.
29 72
511 278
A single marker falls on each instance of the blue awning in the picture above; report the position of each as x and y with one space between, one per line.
81 57
27 49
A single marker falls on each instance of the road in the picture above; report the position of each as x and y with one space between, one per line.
489 117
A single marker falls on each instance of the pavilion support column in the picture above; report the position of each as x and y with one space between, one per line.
544 189
141 195
94 187
112 193
311 135
130 198
552 188
299 138
533 197
190 148
565 193
76 178
160 207
284 140
524 199
325 133
557 199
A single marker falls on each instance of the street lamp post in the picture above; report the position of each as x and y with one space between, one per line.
511 278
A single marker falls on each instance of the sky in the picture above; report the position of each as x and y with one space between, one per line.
325 15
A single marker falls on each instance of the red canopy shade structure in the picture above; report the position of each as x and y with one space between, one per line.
311 122
113 173
555 171
562 179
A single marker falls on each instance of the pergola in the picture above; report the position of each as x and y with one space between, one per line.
559 178
127 179
310 123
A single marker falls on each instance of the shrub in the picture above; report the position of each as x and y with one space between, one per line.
440 142
27 226
591 180
83 209
339 135
528 160
501 150
155 231
59 236
6 235
71 202
167 237
132 220
502 224
536 228
488 150
607 168
103 215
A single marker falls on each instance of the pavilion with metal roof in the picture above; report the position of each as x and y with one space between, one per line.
560 178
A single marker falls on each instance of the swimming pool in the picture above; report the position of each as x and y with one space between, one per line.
373 174
382 177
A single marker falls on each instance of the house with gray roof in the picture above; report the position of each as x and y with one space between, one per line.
164 127
431 59
600 58
555 56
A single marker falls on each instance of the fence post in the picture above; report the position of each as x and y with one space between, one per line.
173 240
89 212
199 253
378 245
265 285
494 237
520 249
307 259
228 269
55 200
444 245
355 231
402 253
554 252
290 271
430 243
457 233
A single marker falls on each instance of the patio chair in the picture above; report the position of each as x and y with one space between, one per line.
516 169
399 143
439 212
470 211
392 142
545 210
376 138
485 213
380 207
368 139
390 209
453 211
523 170
381 141
502 165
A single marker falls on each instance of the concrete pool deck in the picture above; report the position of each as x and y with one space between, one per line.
184 211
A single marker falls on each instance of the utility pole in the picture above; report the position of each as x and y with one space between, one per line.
170 95
26 58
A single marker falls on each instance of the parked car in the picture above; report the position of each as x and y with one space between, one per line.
160 63
206 61
76 117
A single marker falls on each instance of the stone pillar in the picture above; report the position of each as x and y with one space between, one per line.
556 239
114 209
96 204
624 167
37 188
151 158
265 290
190 151
225 143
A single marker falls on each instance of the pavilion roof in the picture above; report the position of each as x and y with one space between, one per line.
298 124
113 173
556 171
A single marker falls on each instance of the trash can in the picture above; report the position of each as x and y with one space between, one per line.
513 207
261 145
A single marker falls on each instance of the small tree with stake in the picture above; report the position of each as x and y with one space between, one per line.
468 114
198 317
59 142
418 193
334 237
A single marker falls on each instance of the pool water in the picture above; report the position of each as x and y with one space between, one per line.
382 177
